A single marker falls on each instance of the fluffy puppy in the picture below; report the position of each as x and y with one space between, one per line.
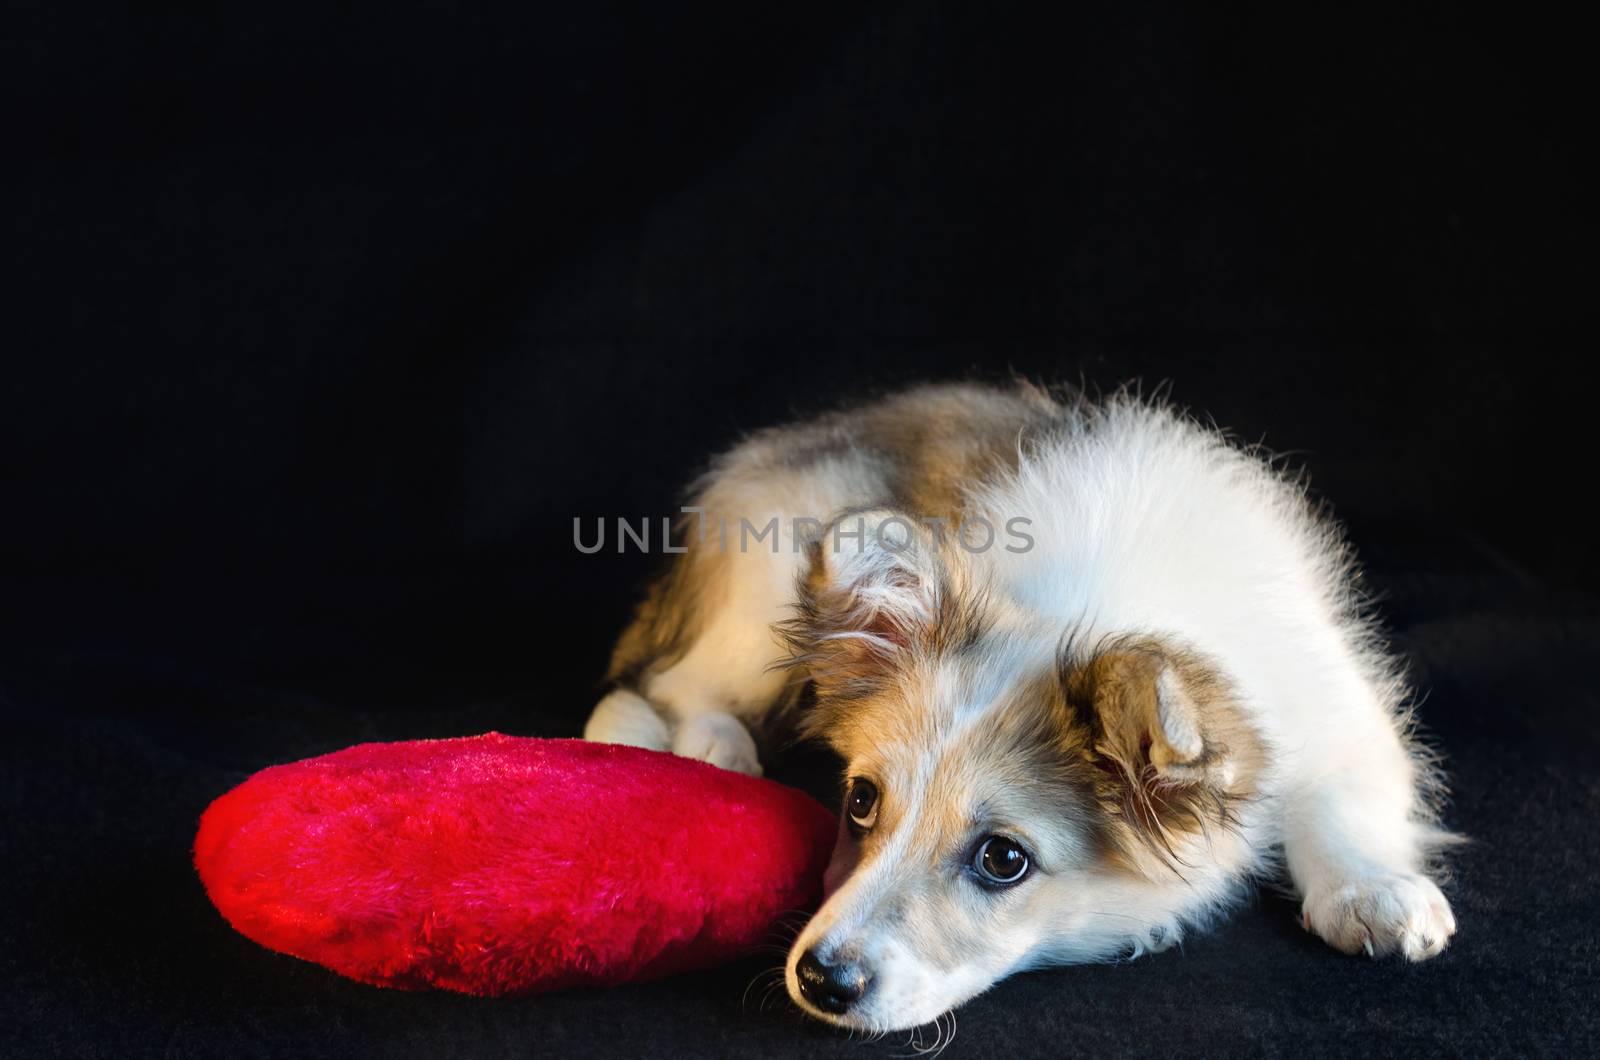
1092 668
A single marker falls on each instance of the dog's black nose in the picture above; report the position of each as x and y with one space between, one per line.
831 987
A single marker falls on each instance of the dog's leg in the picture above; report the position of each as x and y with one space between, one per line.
725 680
702 650
1356 845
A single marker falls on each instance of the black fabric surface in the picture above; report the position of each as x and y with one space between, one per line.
323 323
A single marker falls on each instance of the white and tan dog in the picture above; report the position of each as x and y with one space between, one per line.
1092 667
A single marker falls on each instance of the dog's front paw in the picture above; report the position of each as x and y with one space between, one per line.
720 739
625 717
1378 915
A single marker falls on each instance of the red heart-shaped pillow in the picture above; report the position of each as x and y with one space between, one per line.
501 865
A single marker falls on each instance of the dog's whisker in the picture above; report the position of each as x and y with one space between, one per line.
919 1046
772 977
771 995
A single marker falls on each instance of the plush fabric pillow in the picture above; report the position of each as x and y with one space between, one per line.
499 865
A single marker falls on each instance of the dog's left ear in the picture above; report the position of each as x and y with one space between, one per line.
1174 748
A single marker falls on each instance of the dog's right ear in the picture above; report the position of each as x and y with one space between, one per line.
873 592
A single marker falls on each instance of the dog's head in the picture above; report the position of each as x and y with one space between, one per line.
1014 796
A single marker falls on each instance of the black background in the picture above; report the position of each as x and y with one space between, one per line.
323 322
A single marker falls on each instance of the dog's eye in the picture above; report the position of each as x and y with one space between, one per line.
862 804
999 860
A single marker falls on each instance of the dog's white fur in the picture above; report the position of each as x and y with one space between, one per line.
1143 523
